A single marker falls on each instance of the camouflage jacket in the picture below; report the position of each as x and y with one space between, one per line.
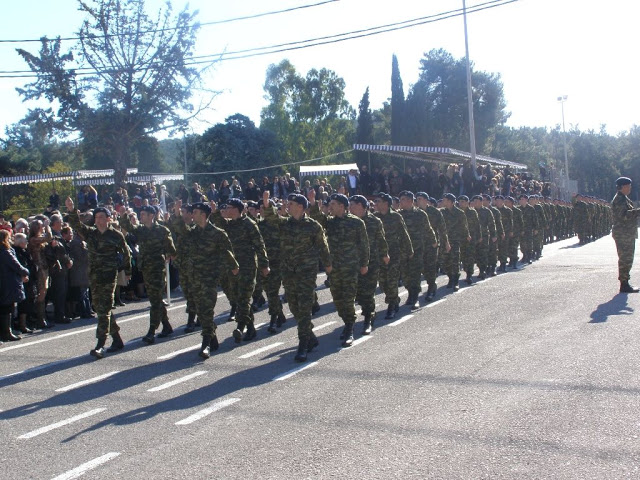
625 217
155 242
438 225
419 228
507 219
473 222
457 227
378 247
396 234
246 240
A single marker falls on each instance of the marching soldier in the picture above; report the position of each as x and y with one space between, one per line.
458 231
468 248
430 269
625 231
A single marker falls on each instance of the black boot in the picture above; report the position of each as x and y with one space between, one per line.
191 323
312 343
117 343
6 335
281 320
415 302
391 312
315 308
205 348
626 288
503 267
469 280
250 333
98 352
232 314
214 344
301 355
272 324
167 329
450 284
456 280
237 333
348 335
491 271
366 326
150 337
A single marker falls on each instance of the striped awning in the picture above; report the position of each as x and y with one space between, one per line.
433 154
321 170
40 178
94 177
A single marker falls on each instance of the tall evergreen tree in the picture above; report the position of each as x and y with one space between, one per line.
397 104
364 132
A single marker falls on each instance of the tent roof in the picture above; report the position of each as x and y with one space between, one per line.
327 169
94 177
433 154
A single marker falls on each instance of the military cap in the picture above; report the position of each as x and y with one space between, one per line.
463 198
498 197
188 207
203 207
476 197
299 199
422 195
252 204
407 193
235 203
510 199
395 199
486 197
148 209
526 197
622 181
385 197
433 201
359 199
340 198
449 196
101 210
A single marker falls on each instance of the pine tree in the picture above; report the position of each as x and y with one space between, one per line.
397 104
364 132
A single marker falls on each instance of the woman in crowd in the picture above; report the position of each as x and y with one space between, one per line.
26 308
225 191
12 276
39 236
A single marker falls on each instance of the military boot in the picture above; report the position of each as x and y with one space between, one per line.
117 343
281 320
366 326
232 313
167 329
205 348
312 343
626 288
98 352
251 333
214 344
492 271
150 337
415 302
272 324
191 323
237 333
503 267
451 280
456 281
22 324
391 312
348 335
301 355
6 335
482 275
469 278
315 308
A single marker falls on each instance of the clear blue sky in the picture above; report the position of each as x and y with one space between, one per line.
542 48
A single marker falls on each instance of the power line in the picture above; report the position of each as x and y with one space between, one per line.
215 22
301 44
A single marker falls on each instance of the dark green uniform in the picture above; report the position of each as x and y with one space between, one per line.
514 243
421 235
494 246
458 231
430 269
503 243
529 226
488 229
182 255
378 249
624 232
271 236
468 249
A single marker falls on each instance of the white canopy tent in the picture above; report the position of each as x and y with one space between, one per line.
93 177
324 170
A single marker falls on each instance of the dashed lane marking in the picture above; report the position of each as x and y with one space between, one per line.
41 367
207 411
178 352
177 381
85 467
436 302
400 320
291 373
324 325
355 343
62 423
261 350
87 382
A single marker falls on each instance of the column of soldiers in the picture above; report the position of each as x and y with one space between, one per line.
360 244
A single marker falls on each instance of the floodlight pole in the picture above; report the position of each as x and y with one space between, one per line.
472 133
562 99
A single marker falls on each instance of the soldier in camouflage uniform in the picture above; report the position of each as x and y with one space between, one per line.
253 212
378 255
492 256
422 236
156 246
625 231
431 253
399 247
514 242
488 229
207 251
302 244
530 228
249 250
507 223
468 248
581 219
458 231
349 246
543 223
105 246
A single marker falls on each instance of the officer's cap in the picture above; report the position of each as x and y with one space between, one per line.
340 198
101 210
235 203
476 197
449 196
359 199
252 204
463 198
422 195
486 197
498 197
433 201
203 207
408 194
622 181
149 209
510 199
299 199
526 197
385 197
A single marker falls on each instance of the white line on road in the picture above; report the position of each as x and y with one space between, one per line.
400 320
178 352
355 343
291 373
260 325
402 294
41 367
207 411
260 350
320 327
436 303
177 381
62 423
87 382
85 467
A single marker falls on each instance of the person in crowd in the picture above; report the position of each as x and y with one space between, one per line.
12 277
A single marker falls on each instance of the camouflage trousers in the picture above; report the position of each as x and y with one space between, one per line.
430 264
366 291
526 243
482 253
272 288
242 287
626 249
492 253
185 285
514 242
299 287
412 270
388 277
102 292
452 259
468 255
538 241
203 287
154 283
503 248
343 286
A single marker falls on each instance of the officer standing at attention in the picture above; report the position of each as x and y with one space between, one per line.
624 231
104 244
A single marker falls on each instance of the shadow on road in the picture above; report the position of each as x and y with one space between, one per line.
617 306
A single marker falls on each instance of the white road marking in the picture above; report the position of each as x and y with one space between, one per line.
77 332
220 295
291 373
177 381
41 367
87 382
436 302
320 327
62 423
85 467
402 294
355 343
207 411
401 320
178 352
261 350
260 325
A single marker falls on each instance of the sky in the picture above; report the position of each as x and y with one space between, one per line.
584 49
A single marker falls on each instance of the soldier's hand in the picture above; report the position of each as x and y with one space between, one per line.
502 238
510 234
265 271
328 269
364 270
235 271
435 245
386 259
265 198
494 239
448 247
69 204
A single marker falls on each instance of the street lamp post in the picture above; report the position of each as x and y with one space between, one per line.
472 133
562 99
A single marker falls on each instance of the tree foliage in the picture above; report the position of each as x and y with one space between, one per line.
398 117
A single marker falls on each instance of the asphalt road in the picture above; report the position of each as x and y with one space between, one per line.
530 374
